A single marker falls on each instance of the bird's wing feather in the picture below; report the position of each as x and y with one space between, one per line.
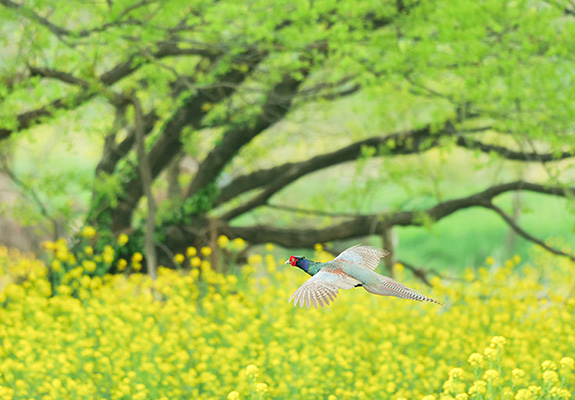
321 288
385 286
365 256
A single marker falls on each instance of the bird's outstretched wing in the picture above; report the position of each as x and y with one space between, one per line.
322 288
365 256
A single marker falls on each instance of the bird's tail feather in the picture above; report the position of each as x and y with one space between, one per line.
388 287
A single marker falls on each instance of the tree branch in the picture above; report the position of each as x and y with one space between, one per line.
276 106
566 10
120 71
276 178
117 99
527 235
341 93
63 32
374 224
29 192
310 211
115 152
58 75
419 273
29 118
400 143
512 154
163 49
146 179
31 14
330 91
168 143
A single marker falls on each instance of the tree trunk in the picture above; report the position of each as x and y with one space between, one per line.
512 235
387 240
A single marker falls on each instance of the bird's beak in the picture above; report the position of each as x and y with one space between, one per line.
287 262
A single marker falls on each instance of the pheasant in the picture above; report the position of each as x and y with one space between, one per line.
353 267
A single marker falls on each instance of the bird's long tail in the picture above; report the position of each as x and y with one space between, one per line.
385 286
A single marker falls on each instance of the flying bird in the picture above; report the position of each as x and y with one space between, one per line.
353 267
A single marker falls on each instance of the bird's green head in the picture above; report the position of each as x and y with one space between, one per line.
299 262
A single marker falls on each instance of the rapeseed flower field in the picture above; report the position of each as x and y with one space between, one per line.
68 332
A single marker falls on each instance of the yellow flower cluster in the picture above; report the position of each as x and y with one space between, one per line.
505 332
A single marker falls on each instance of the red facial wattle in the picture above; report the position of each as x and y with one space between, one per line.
292 260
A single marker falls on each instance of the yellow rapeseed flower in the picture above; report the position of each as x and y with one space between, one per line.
255 259
122 264
535 390
252 369
89 266
523 394
108 257
478 387
469 275
456 373
490 375
261 387
179 258
49 245
62 253
137 257
123 239
517 373
548 365
56 265
489 260
89 232
270 247
238 243
550 376
123 328
206 251
223 241
498 341
205 265
490 353
567 363
191 251
435 281
475 359
109 250
233 395
195 262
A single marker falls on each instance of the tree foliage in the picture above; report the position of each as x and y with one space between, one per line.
254 96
